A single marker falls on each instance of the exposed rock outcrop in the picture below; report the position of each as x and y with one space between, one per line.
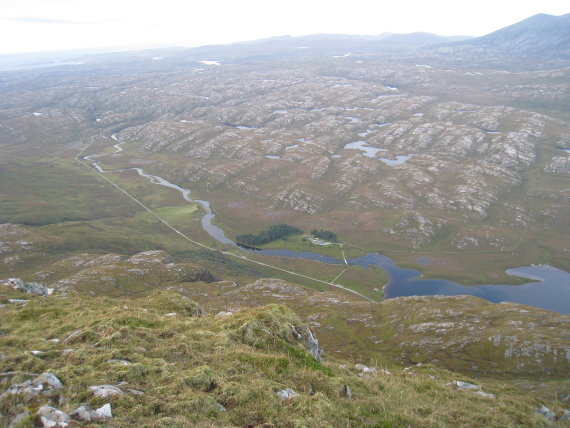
29 287
45 384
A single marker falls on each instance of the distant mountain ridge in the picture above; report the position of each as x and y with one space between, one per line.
331 44
543 38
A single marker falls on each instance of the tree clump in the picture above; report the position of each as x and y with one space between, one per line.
274 233
325 235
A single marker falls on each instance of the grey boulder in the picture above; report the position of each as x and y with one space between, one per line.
105 391
52 417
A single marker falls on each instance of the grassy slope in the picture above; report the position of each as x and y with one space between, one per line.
185 364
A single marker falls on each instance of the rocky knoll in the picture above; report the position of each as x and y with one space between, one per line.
467 333
114 274
462 333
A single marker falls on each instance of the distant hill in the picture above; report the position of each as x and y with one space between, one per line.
359 43
414 39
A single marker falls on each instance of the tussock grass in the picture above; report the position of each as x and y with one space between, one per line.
187 365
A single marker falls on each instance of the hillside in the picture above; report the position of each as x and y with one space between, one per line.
160 361
127 179
542 34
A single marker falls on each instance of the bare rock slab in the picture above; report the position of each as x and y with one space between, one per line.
105 391
286 393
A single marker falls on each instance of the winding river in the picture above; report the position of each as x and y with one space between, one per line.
549 287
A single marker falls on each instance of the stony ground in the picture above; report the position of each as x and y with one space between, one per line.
75 360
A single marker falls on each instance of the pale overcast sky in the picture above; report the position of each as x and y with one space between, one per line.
45 25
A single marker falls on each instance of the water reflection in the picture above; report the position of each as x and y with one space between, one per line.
549 290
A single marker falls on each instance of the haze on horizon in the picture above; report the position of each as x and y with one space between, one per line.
50 25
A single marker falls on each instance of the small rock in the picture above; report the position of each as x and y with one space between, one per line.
313 346
286 393
52 417
547 413
48 379
565 415
105 391
135 391
16 283
364 369
171 314
463 385
386 372
66 351
485 394
346 392
102 413
220 407
18 301
37 352
224 313
82 413
122 362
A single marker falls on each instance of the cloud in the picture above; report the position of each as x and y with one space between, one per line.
32 20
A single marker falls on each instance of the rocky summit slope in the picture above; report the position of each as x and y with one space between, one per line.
162 361
461 333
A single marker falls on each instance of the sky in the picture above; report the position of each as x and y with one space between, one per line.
50 25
